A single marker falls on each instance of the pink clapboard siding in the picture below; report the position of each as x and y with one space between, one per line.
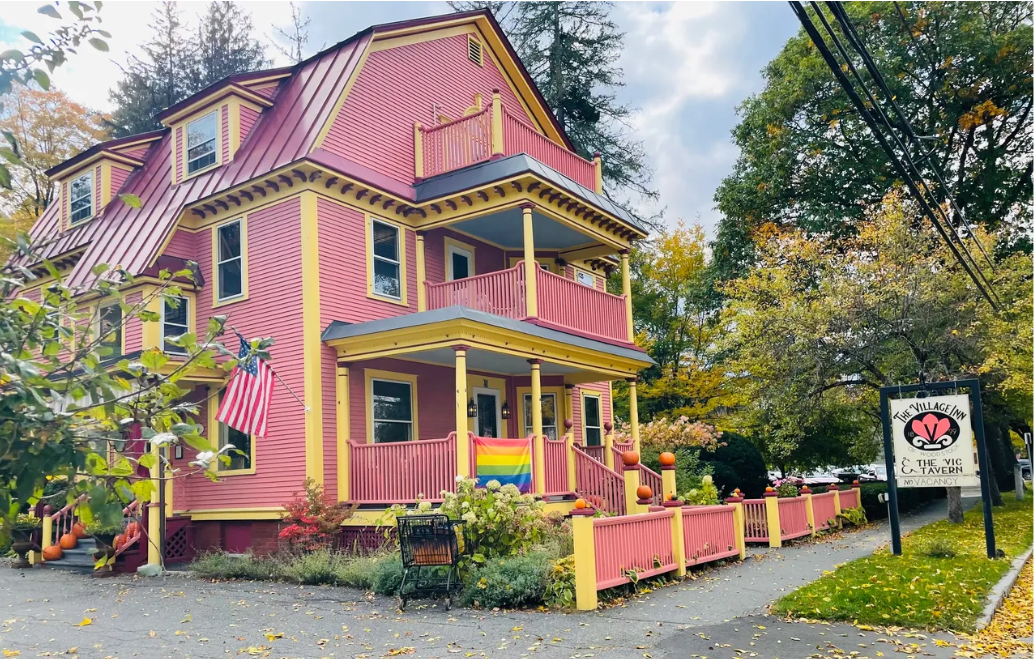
133 329
268 91
793 518
118 178
375 125
709 533
603 389
248 119
98 194
183 244
824 508
224 113
63 200
755 520
487 258
179 154
849 499
273 308
641 543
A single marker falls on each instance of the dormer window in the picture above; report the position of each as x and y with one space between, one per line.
201 135
81 198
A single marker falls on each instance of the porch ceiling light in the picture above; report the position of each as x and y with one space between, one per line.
505 411
472 408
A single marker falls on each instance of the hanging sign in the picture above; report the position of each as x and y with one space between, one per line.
933 442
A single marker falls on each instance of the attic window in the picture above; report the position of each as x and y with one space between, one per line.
474 51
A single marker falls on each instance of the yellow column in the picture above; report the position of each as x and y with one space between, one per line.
168 489
498 148
418 151
531 267
775 533
738 519
421 273
151 331
598 163
633 413
836 503
584 560
154 513
678 542
344 454
48 531
631 477
462 442
572 481
667 482
539 466
608 445
808 509
626 291
312 347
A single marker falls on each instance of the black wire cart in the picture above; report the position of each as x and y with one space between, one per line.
431 547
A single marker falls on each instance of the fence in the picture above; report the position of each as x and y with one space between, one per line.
602 487
793 518
632 544
825 510
755 520
850 498
709 533
402 472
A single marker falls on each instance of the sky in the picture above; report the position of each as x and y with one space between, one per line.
687 66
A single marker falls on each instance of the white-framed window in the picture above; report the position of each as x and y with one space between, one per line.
230 261
242 456
459 263
175 321
592 428
109 328
549 427
392 411
585 278
80 195
201 143
387 264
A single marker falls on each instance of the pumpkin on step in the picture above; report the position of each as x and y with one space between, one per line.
52 553
132 529
68 541
78 530
120 540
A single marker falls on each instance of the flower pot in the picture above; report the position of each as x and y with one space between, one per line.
22 544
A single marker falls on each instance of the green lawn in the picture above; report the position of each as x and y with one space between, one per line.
919 589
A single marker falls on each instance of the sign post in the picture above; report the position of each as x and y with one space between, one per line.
928 442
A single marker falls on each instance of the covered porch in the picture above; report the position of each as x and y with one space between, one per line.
414 391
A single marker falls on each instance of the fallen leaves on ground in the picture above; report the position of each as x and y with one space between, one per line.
1011 625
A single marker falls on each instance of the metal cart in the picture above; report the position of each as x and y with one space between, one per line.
431 547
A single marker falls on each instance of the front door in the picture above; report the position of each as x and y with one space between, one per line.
488 419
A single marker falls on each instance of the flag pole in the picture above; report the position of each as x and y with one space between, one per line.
277 376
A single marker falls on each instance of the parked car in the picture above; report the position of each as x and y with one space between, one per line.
1025 468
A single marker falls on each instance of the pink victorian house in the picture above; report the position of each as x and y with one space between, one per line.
404 215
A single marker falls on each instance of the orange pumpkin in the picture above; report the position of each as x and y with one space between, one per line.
667 459
668 497
133 529
68 541
630 458
579 504
644 492
78 530
769 489
53 553
119 540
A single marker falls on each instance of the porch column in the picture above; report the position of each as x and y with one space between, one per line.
344 455
539 466
154 512
531 266
421 273
569 397
633 413
626 290
462 443
497 125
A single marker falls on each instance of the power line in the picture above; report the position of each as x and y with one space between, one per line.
909 177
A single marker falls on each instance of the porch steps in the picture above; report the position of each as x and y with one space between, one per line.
78 560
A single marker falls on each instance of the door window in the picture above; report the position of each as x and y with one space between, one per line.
459 262
548 415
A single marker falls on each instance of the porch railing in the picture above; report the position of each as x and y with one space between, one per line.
499 293
647 476
520 137
601 486
556 466
402 472
456 144
581 308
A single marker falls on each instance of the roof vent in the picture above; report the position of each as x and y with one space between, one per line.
474 51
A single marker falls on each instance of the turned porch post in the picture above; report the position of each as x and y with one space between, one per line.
539 466
462 443
626 291
344 455
531 266
421 273
633 413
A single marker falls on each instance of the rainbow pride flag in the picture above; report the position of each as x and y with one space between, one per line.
504 460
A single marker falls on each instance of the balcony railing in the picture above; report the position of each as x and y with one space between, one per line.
562 303
494 131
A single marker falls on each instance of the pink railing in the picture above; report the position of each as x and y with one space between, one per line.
621 447
64 519
131 513
632 543
647 476
709 533
519 137
755 520
499 293
578 307
825 510
458 143
849 499
602 487
594 452
556 466
402 472
793 518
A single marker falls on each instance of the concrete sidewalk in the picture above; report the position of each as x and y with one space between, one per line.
718 611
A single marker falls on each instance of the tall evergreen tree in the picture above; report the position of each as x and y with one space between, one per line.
571 50
173 66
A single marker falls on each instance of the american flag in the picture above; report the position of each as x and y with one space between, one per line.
245 404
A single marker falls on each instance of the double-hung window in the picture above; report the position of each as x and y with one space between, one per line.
229 261
201 143
175 322
80 195
593 426
585 278
109 328
387 261
392 411
242 455
549 428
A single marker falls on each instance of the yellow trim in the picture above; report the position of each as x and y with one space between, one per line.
476 381
191 319
598 396
462 422
92 171
371 374
242 514
626 290
100 156
322 135
216 302
404 299
154 512
216 98
234 122
343 419
186 174
775 533
421 274
586 598
480 61
426 33
214 436
498 144
95 321
462 246
633 415
522 391
311 346
530 276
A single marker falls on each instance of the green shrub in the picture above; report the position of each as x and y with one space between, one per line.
246 567
738 464
937 548
358 571
705 495
853 516
787 490
313 568
387 575
509 583
560 584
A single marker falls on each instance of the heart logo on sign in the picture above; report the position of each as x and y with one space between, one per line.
930 427
932 431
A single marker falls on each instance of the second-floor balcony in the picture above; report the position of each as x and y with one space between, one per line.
495 132
556 301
